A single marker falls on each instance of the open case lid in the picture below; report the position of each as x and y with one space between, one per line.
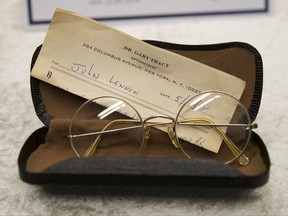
236 58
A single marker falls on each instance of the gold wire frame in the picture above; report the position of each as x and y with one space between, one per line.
242 159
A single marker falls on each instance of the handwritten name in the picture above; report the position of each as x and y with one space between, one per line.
117 83
84 70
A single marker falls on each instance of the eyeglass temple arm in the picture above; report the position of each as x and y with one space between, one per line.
92 148
242 158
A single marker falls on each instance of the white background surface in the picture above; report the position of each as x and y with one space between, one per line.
42 10
268 32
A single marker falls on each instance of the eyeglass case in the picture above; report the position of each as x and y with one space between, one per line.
41 162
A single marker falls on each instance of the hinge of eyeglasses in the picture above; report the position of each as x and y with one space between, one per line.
252 126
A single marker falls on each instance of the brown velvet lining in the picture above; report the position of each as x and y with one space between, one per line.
61 105
57 148
235 61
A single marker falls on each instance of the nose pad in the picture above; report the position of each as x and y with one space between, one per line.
172 136
146 138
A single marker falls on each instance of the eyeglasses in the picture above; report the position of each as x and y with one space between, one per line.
212 125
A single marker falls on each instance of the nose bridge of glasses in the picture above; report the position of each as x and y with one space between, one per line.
162 122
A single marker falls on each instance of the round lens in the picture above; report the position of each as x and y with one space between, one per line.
106 126
214 125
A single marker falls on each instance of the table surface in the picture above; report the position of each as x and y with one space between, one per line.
268 32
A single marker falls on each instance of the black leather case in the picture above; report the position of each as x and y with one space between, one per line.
239 59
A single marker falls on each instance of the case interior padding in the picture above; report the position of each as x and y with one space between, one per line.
46 156
140 172
56 148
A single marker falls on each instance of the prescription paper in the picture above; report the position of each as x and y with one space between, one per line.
90 59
